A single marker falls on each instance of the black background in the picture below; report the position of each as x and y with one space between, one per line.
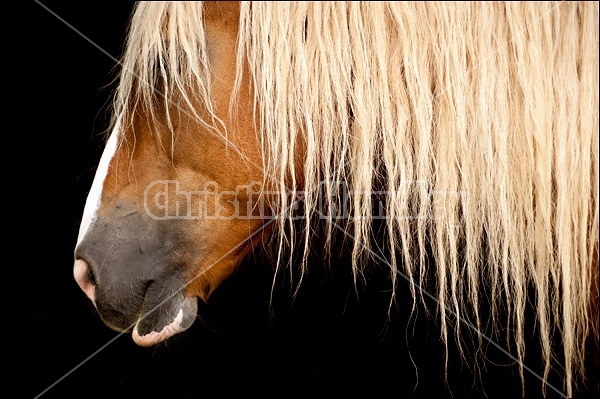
325 343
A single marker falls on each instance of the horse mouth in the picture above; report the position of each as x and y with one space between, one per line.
165 320
157 318
152 316
153 307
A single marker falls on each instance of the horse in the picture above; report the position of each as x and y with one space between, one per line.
455 145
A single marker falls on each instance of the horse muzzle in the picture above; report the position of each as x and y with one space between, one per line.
125 265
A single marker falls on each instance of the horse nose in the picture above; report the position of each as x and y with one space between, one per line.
84 276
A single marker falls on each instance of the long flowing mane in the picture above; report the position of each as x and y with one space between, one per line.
479 122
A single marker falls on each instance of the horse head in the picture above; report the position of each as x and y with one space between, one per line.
173 206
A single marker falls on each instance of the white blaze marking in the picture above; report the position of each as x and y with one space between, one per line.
92 202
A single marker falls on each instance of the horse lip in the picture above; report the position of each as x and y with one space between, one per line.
184 318
165 310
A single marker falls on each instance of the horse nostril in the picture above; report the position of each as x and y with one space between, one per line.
91 276
85 278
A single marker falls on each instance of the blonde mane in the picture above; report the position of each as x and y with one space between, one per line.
479 121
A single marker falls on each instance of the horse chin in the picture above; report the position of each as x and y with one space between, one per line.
183 319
